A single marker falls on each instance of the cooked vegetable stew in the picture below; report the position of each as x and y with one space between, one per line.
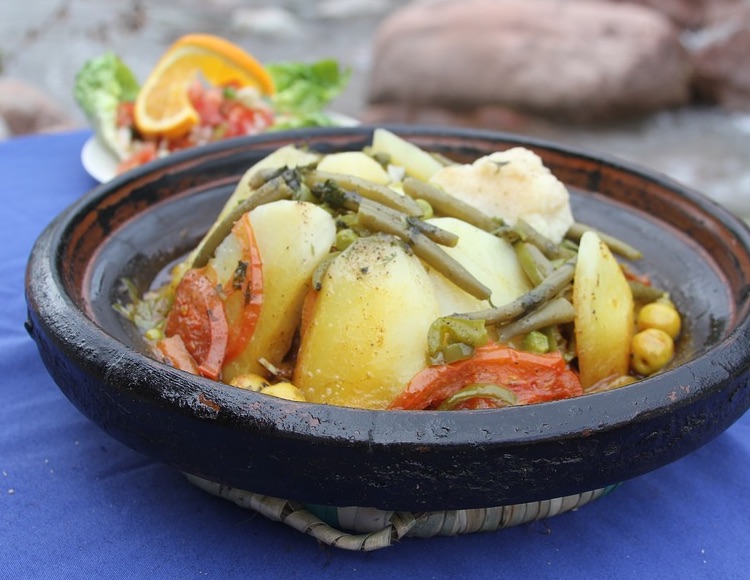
390 278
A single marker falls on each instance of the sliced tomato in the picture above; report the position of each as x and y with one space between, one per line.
244 300
146 152
198 317
240 121
125 114
534 378
210 109
172 349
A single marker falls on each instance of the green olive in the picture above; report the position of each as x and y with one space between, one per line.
650 350
660 315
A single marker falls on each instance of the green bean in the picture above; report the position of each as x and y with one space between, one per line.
372 216
262 176
366 189
507 233
436 234
555 311
549 248
447 205
533 262
616 245
273 190
331 193
531 300
644 293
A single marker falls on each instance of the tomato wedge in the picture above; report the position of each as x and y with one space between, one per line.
534 378
174 352
198 317
244 300
146 152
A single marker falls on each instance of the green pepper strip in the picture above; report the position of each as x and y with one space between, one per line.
536 341
502 395
448 331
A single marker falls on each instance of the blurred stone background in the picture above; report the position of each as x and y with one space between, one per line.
662 83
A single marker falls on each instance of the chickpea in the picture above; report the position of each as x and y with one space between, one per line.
284 391
621 381
661 315
650 350
250 382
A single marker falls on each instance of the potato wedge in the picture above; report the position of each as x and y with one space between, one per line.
603 304
355 163
292 238
367 335
288 156
417 162
490 259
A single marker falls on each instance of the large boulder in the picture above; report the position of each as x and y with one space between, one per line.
720 50
690 14
722 76
565 60
26 109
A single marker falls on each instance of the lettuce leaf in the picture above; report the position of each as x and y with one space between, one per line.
303 91
100 86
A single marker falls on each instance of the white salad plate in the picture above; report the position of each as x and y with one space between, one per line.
101 164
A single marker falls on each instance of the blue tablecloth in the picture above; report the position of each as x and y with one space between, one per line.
75 503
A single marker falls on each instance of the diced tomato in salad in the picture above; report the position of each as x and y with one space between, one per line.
225 111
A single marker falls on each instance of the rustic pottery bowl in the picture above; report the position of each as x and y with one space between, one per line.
135 225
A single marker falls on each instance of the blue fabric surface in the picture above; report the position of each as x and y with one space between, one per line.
75 503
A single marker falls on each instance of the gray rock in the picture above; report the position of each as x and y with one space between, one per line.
26 109
270 21
4 130
572 61
343 9
722 76
689 14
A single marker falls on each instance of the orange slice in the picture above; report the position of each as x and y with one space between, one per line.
163 109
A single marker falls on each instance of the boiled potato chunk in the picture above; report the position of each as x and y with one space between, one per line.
355 163
287 156
292 238
368 331
603 305
417 162
489 258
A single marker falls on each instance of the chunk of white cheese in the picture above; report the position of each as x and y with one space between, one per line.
512 185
